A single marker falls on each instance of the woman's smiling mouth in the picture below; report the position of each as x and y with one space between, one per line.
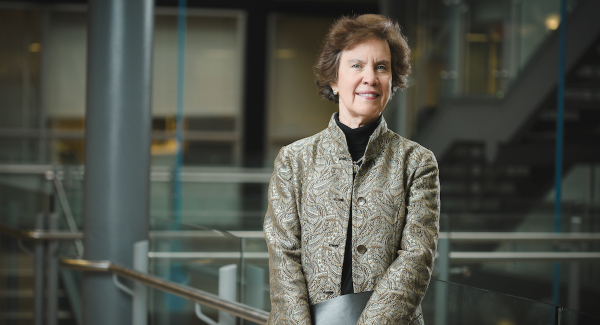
368 95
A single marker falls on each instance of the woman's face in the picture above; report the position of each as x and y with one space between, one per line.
364 82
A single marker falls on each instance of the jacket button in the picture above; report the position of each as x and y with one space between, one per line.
361 249
361 201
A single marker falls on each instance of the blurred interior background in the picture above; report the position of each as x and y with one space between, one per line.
482 96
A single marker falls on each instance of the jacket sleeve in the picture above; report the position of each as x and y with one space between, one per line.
398 294
289 297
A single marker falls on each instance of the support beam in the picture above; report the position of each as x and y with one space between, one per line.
254 109
117 153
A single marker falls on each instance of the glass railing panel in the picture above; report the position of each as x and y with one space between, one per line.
219 198
32 189
572 317
255 261
19 204
218 205
523 275
449 303
198 257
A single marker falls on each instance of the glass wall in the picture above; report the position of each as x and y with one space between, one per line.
43 80
296 110
473 48
20 65
43 91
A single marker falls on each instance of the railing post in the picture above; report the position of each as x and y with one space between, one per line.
140 292
52 273
227 290
556 316
574 274
254 293
38 281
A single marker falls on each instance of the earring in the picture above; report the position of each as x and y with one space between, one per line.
335 92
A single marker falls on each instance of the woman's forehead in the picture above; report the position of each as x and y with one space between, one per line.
369 49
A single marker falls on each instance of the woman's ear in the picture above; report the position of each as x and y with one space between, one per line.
334 87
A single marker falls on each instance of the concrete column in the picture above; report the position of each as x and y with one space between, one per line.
117 153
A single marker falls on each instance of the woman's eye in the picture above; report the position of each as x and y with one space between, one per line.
382 67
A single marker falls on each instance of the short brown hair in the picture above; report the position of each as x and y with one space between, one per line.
348 32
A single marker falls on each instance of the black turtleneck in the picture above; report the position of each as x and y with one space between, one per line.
357 140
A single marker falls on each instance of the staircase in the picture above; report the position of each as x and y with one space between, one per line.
498 155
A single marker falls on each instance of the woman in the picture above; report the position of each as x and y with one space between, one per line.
355 207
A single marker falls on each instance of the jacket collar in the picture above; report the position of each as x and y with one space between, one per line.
336 135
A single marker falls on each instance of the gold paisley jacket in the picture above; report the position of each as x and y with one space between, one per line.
395 223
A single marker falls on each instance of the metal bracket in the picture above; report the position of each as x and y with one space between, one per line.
203 317
121 286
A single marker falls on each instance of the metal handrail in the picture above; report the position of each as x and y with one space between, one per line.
473 257
455 237
157 173
487 237
40 234
202 297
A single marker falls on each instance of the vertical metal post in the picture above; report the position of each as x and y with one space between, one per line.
456 44
511 42
52 274
588 215
556 316
254 293
227 290
140 292
38 281
177 185
117 148
12 284
559 143
44 66
574 275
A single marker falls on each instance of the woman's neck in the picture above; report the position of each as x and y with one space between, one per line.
355 122
357 138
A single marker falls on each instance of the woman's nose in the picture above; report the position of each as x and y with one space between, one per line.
369 77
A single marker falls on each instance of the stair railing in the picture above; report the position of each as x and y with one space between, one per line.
196 295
